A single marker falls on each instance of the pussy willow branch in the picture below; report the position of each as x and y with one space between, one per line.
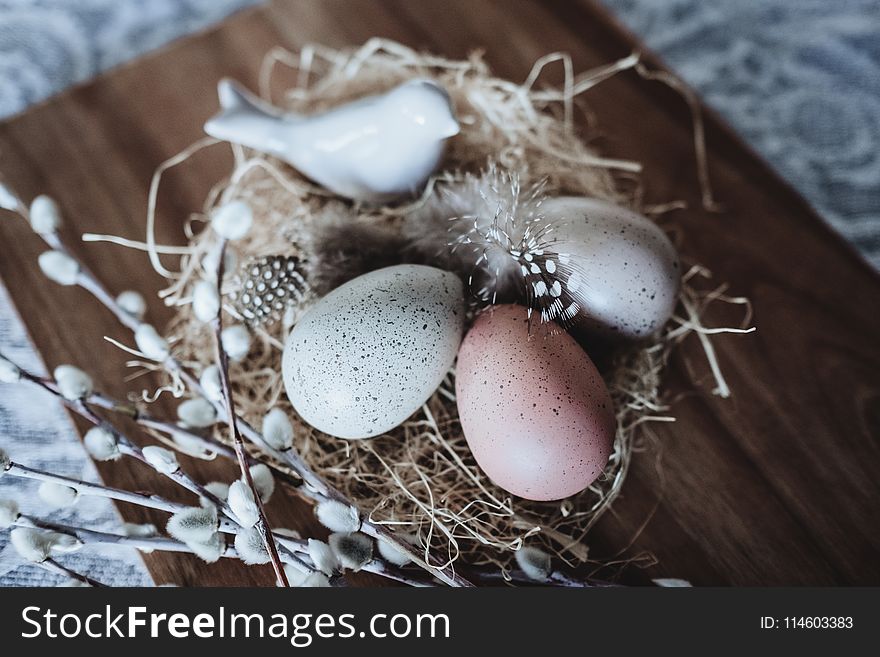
149 421
179 476
86 279
97 399
151 501
557 579
96 490
94 537
164 544
54 567
128 448
158 503
320 490
299 546
237 442
376 566
145 420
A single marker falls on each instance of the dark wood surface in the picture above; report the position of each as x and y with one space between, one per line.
777 485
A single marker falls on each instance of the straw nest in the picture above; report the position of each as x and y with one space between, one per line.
421 477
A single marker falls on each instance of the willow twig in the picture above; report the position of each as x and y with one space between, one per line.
127 448
164 544
149 501
54 567
237 443
179 476
149 421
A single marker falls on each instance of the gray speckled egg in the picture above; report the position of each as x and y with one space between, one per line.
618 267
371 352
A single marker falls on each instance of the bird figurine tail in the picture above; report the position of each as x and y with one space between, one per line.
247 120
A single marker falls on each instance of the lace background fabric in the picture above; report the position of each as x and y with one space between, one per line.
799 80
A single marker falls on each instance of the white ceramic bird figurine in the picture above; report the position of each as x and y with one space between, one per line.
372 149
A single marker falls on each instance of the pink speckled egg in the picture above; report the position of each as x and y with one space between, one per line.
534 410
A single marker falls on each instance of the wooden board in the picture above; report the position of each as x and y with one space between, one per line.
777 485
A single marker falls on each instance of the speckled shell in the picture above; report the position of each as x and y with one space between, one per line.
534 410
623 270
370 353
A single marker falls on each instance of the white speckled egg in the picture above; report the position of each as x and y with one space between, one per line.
618 267
534 410
370 353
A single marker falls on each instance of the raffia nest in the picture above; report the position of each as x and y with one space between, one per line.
421 477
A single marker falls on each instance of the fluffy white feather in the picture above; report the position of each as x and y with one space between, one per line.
491 231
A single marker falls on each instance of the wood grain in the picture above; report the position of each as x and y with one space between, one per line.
777 485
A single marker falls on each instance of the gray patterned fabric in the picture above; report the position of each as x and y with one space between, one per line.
45 46
800 80
35 432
